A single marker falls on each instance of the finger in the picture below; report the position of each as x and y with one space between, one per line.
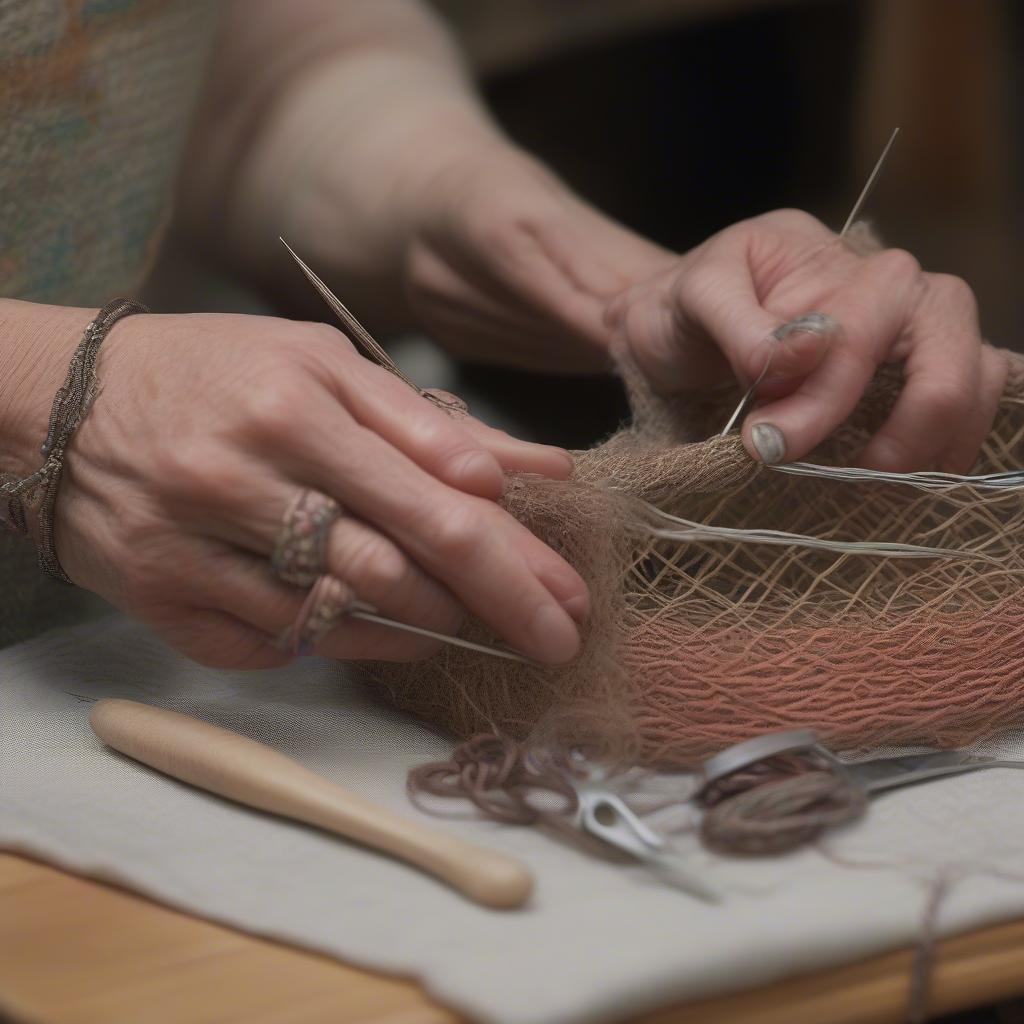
721 298
518 456
500 571
471 458
492 564
218 639
789 427
942 382
680 329
272 609
875 309
963 452
794 351
250 514
515 455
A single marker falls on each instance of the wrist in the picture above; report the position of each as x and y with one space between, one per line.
36 345
503 241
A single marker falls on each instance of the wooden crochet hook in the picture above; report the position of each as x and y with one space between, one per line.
250 773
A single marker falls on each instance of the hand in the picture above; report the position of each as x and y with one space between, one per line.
205 429
505 265
508 266
715 308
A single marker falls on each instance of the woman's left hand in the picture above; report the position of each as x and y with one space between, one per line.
721 307
506 265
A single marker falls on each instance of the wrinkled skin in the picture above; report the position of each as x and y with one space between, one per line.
510 266
353 130
208 425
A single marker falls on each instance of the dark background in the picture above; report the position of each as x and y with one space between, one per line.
679 124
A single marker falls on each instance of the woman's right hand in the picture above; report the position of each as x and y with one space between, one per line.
207 427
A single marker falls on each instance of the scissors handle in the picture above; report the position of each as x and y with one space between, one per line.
753 751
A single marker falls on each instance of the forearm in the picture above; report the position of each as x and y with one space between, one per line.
36 343
321 123
351 129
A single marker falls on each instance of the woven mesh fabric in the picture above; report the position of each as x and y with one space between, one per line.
695 645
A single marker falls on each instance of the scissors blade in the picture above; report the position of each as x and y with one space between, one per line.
884 773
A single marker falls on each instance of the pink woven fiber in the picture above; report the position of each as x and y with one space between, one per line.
694 645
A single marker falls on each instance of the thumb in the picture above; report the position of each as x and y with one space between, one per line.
792 352
760 348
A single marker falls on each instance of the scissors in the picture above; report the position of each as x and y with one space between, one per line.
776 791
603 814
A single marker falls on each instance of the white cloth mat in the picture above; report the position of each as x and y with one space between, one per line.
599 942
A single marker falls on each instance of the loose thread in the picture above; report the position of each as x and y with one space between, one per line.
922 969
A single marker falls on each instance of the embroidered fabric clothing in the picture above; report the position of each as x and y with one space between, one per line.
95 101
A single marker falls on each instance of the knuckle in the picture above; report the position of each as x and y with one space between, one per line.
792 218
440 435
946 400
956 291
373 565
899 264
456 534
315 345
318 334
189 470
271 411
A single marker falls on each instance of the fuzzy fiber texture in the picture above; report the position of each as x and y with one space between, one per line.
699 644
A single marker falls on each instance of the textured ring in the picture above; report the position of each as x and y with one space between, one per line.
325 606
300 554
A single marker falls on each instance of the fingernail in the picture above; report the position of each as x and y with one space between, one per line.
554 637
814 323
769 441
568 458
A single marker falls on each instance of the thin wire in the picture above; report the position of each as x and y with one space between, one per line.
857 206
353 327
745 400
693 531
1010 480
375 351
869 185
455 641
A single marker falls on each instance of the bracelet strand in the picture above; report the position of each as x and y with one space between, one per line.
70 406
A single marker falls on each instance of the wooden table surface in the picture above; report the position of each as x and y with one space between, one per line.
74 951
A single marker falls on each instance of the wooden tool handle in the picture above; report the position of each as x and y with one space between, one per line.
241 769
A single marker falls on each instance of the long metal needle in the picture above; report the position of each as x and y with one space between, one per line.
857 206
869 185
363 337
353 327
363 612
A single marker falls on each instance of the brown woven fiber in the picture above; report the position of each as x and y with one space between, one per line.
696 644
